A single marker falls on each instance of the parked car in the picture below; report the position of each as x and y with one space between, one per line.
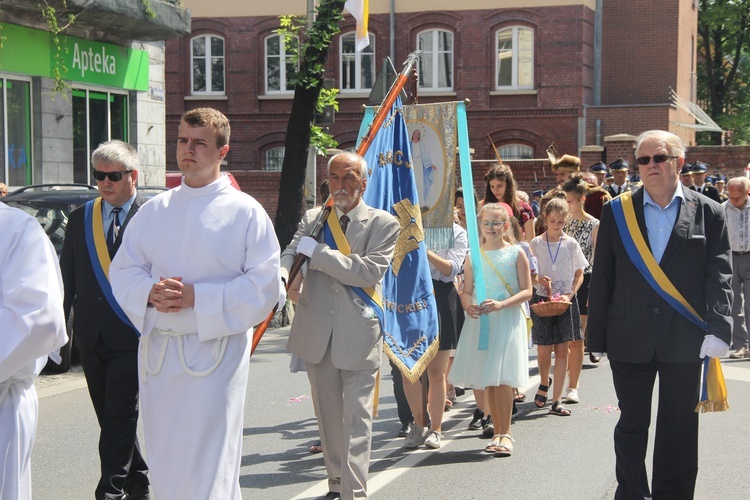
51 205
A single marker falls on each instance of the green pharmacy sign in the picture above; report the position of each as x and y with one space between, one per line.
31 52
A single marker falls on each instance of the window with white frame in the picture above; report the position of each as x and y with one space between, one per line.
279 64
207 57
436 62
275 159
516 152
357 68
515 58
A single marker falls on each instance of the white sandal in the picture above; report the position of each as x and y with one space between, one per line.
497 446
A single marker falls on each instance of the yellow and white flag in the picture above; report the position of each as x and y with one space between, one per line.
360 10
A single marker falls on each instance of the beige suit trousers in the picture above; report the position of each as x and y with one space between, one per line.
343 402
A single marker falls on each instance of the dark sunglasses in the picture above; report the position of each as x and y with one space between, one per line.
113 176
644 160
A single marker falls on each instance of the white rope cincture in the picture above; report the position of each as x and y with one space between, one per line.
5 389
220 348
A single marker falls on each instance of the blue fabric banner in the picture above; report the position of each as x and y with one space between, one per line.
467 180
411 320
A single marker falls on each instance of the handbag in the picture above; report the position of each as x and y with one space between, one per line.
529 321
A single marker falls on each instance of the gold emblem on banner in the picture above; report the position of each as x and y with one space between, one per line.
411 232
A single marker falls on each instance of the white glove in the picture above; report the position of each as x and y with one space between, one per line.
713 347
306 246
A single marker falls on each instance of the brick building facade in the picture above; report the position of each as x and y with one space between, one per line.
567 71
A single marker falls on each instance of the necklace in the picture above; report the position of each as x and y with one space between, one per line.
559 244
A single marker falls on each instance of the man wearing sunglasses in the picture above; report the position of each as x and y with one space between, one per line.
107 341
642 332
700 170
620 184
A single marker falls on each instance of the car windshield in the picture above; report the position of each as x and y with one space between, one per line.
52 216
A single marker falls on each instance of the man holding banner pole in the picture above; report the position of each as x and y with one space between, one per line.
651 316
337 330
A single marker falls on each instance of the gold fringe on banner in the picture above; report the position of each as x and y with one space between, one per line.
713 389
420 366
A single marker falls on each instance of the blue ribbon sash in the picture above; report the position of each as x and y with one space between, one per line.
334 238
99 255
644 261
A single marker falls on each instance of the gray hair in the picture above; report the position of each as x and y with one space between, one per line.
118 152
742 181
347 156
674 144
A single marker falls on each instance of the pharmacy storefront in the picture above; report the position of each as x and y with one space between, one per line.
48 137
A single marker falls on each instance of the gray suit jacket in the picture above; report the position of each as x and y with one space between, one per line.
326 310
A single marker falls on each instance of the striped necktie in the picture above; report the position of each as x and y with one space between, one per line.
344 223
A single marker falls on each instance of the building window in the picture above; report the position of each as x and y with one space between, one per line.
515 58
436 62
275 159
357 68
279 64
15 132
207 53
98 117
516 152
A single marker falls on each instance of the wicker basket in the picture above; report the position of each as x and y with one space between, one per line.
551 307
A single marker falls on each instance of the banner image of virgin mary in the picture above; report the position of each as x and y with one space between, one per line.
428 164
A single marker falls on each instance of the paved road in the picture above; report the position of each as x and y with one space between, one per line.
555 457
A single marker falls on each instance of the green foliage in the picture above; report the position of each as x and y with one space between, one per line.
724 68
147 9
304 49
49 13
327 97
321 140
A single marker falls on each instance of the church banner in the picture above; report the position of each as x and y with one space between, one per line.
432 137
411 321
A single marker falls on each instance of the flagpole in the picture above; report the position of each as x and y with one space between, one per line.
364 145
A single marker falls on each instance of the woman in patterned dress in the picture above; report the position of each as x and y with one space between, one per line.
584 228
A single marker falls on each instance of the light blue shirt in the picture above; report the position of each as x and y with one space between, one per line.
660 221
108 216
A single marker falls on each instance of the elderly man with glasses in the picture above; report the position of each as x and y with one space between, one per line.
107 340
634 316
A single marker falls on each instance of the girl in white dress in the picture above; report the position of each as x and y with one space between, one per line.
561 263
504 364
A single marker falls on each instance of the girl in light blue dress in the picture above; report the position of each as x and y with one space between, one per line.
504 364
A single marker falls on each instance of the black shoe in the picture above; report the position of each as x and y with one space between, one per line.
476 421
488 428
405 429
331 495
460 391
515 409
594 359
138 492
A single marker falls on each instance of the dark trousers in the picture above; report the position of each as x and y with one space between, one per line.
676 441
404 412
112 378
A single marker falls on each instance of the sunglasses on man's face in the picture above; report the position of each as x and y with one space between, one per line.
644 160
113 176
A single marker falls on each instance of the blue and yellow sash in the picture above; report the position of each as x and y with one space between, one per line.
334 238
644 261
99 255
